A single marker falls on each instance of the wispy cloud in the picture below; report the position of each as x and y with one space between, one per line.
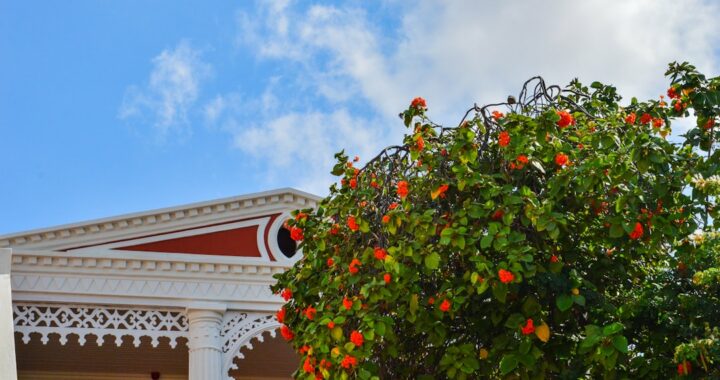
454 54
172 89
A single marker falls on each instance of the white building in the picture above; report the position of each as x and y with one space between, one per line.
176 293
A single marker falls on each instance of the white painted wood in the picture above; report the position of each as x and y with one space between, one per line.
8 367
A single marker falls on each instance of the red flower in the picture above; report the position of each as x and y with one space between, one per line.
286 333
637 233
709 124
286 294
308 367
442 189
280 315
296 233
374 184
684 368
331 325
380 253
348 362
304 349
356 338
402 189
645 118
561 159
554 259
386 219
443 152
418 103
504 139
505 276
353 183
325 364
352 224
347 303
657 122
330 262
529 327
497 215
630 119
522 159
310 312
334 229
497 115
393 206
445 306
301 215
565 119
672 94
387 278
353 268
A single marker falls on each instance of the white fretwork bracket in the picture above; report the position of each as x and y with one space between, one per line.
238 331
47 319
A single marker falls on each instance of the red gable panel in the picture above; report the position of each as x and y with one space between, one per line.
235 242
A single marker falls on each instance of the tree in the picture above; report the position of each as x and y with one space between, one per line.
552 236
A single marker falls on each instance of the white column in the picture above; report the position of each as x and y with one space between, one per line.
205 322
8 368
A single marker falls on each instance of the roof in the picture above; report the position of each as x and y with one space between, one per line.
156 221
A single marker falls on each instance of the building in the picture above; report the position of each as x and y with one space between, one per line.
176 293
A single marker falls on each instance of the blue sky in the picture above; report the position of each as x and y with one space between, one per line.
122 106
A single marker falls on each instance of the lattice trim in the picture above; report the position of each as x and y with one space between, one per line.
99 321
238 331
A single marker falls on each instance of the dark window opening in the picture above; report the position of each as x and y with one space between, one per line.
287 245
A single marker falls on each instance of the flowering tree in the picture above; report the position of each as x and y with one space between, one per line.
557 235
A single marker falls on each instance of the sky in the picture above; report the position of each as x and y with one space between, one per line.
112 107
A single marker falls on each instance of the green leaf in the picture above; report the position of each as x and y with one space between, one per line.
616 231
564 302
486 241
508 364
432 261
613 328
620 343
500 292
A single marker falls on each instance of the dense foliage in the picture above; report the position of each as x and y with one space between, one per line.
559 235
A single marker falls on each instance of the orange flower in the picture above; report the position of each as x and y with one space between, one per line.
310 312
300 216
348 362
505 276
420 143
672 93
645 118
280 315
380 253
497 115
387 278
445 306
497 215
393 206
657 122
504 139
630 119
353 183
352 224
418 103
402 189
566 119
286 294
308 367
637 232
296 233
529 327
522 159
353 267
561 159
286 333
330 262
386 219
331 325
347 303
684 368
356 338
554 259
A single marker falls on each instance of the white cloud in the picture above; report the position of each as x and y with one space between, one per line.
458 53
172 89
302 145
